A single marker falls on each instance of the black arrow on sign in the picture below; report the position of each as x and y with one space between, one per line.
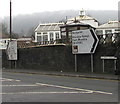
95 41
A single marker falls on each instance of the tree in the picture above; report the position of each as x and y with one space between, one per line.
4 29
14 35
31 32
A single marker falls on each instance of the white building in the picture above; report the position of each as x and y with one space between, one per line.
110 27
109 30
83 18
48 33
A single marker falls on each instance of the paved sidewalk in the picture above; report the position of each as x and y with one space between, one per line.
69 74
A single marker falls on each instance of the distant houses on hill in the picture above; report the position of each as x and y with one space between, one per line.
59 33
50 33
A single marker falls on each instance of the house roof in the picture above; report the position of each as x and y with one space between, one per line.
110 24
81 18
73 24
48 27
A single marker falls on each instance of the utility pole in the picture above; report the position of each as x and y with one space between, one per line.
10 28
10 20
12 44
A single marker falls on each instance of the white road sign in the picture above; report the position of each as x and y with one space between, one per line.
12 50
84 41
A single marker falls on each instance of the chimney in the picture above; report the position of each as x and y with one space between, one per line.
81 13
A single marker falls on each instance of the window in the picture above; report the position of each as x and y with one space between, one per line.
108 31
99 32
57 35
45 33
45 38
39 38
51 36
117 30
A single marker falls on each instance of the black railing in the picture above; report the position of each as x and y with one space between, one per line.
103 39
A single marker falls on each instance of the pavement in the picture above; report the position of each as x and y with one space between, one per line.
108 76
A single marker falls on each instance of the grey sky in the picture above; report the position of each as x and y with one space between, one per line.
32 6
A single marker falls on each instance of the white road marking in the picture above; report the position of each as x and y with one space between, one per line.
91 91
65 92
19 85
7 79
79 90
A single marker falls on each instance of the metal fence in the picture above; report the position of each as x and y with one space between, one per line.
106 39
109 39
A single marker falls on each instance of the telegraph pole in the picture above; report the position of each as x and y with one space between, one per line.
10 20
10 28
12 44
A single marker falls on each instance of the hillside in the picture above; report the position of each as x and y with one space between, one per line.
23 24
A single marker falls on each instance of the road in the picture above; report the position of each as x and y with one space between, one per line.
22 87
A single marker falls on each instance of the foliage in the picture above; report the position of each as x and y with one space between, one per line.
4 29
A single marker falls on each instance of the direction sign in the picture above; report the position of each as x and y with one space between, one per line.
84 41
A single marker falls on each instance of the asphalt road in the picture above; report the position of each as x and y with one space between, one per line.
21 87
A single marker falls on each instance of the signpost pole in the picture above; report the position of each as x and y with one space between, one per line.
15 64
115 66
103 66
92 63
75 63
84 41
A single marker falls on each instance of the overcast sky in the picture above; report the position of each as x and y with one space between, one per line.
32 6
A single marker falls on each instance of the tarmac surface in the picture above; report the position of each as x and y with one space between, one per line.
108 76
23 85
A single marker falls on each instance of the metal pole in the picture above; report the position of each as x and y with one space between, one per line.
92 63
115 66
15 64
75 63
103 66
10 19
10 27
